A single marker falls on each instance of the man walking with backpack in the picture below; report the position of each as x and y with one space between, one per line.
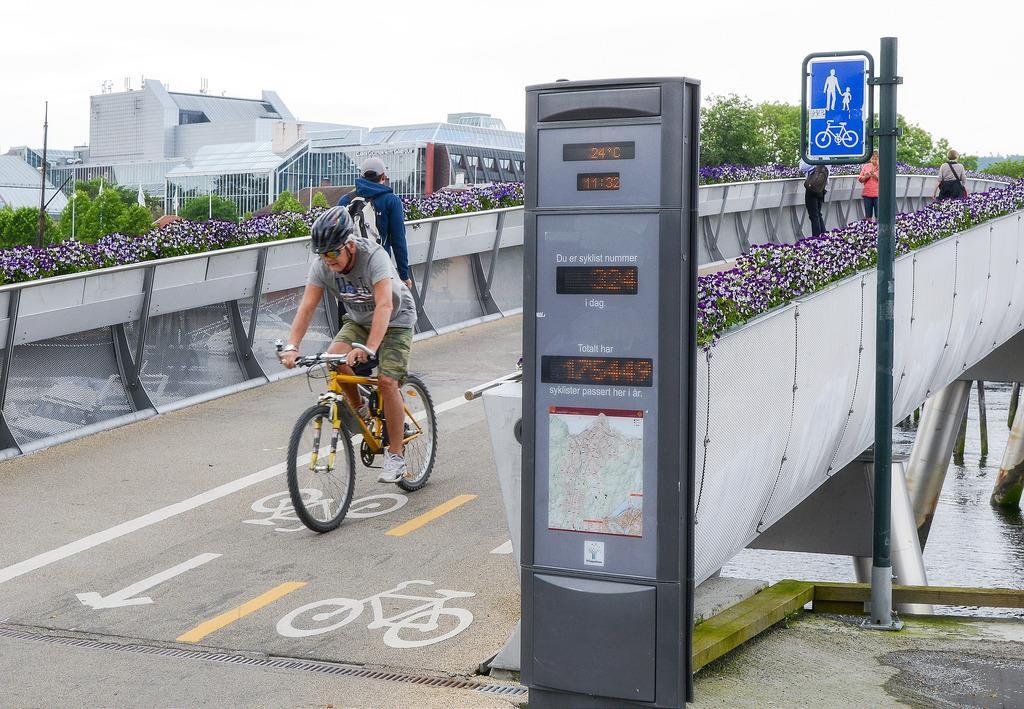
815 186
388 226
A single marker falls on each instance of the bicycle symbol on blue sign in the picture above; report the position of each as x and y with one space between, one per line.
838 107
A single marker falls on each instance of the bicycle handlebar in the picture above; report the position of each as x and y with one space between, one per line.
326 357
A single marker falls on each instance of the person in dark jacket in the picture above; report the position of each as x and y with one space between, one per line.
390 212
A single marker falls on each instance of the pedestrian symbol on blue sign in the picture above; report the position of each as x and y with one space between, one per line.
837 107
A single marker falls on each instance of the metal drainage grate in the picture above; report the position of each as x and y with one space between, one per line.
329 668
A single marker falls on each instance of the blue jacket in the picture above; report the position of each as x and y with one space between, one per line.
390 220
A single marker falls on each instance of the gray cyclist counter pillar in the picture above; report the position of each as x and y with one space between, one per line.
609 354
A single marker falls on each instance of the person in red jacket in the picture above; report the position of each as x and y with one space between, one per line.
869 178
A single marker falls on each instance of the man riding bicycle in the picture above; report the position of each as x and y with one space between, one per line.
379 317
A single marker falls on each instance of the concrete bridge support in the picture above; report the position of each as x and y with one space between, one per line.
929 460
1010 481
905 550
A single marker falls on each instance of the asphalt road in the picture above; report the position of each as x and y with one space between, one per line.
189 510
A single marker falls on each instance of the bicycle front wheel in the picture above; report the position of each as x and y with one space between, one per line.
420 434
321 489
823 139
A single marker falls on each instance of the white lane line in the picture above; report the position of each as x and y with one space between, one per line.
505 548
120 530
93 540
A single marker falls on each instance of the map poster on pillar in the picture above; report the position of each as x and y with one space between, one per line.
596 468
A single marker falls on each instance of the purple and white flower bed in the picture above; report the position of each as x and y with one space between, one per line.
772 274
763 278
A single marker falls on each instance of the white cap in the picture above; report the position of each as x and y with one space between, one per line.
374 165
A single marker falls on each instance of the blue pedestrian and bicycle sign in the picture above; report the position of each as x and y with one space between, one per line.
838 108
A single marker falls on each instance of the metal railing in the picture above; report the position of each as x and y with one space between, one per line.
89 351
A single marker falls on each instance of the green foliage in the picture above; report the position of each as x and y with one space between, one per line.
736 131
96 215
104 214
1010 168
19 227
6 217
198 209
730 132
92 188
319 201
779 125
286 202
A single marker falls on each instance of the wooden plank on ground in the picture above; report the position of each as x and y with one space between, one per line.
943 595
733 627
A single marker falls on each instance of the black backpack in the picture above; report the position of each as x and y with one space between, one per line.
816 179
951 189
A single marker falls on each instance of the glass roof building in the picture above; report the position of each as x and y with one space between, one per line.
178 146
19 186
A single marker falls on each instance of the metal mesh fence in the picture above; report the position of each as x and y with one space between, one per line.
277 310
189 353
507 285
62 384
451 295
750 391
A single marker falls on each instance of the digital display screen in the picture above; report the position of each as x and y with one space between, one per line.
596 181
572 152
596 280
609 371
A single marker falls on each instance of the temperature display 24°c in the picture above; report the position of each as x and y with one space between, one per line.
572 152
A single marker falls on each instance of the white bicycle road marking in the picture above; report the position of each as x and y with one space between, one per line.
93 540
279 507
126 596
315 618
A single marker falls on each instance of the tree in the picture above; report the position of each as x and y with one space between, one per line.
730 132
92 188
198 209
1010 168
779 124
6 217
21 226
319 201
915 146
286 202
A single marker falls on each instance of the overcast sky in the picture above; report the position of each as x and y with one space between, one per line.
411 62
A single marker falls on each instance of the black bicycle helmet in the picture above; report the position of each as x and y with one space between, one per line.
331 230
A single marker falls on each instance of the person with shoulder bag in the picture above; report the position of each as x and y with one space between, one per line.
952 176
815 186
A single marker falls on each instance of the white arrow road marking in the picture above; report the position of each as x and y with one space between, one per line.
126 596
93 540
505 548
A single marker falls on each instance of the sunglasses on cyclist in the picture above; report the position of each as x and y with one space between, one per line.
333 254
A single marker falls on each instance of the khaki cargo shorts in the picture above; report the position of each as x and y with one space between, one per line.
393 354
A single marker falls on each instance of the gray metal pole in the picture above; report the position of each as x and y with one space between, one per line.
42 180
881 569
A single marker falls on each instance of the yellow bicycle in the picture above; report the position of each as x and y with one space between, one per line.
321 477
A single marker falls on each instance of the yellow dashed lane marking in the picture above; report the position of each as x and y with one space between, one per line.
201 631
417 522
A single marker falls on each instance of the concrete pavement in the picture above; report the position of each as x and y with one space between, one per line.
189 511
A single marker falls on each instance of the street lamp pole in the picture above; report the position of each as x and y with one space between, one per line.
42 179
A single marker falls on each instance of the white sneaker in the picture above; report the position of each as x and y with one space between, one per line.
394 468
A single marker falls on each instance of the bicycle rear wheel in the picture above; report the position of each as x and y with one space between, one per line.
320 492
421 451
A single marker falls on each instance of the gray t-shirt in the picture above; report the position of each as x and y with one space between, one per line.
355 288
